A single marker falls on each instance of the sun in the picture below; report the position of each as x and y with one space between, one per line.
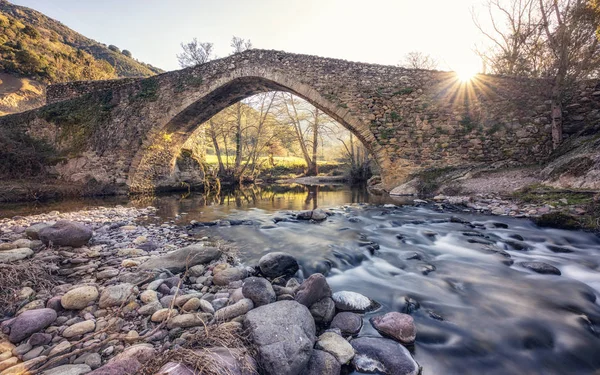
466 74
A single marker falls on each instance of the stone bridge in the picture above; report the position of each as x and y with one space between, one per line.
128 133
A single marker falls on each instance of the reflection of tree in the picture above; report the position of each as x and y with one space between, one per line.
312 195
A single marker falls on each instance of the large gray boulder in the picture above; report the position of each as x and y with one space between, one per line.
284 334
65 233
179 260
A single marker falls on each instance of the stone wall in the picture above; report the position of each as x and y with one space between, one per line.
409 120
57 92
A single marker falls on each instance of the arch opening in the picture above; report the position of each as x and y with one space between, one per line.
156 165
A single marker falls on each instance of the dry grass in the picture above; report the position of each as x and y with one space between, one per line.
15 276
204 352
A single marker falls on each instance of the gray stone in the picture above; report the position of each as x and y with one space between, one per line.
15 254
239 308
40 339
395 325
323 311
539 267
30 322
375 354
116 295
79 329
150 308
348 323
278 264
322 363
65 233
189 320
69 370
229 275
284 335
313 289
335 345
91 359
316 215
179 260
259 290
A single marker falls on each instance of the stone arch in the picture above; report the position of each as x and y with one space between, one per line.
157 153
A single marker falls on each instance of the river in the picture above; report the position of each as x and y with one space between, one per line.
477 308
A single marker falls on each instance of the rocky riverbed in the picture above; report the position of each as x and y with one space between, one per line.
121 293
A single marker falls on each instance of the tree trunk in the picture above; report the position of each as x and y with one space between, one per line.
313 168
238 137
213 136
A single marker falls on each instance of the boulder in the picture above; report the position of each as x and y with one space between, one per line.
375 354
395 325
278 264
179 260
348 323
259 290
65 233
316 215
15 254
79 298
284 335
313 289
322 363
30 322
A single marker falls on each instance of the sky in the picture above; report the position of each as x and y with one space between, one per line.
373 31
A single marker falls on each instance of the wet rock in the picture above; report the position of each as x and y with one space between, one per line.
79 298
374 354
348 323
323 311
284 334
259 290
541 267
229 275
278 264
65 233
398 326
322 363
15 254
69 370
313 289
79 329
30 322
239 308
316 215
335 345
116 295
352 301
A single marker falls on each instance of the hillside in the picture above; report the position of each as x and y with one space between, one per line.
40 50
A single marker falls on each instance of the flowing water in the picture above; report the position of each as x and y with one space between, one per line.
477 309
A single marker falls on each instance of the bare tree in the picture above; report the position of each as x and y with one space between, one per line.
195 53
419 60
544 38
240 44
